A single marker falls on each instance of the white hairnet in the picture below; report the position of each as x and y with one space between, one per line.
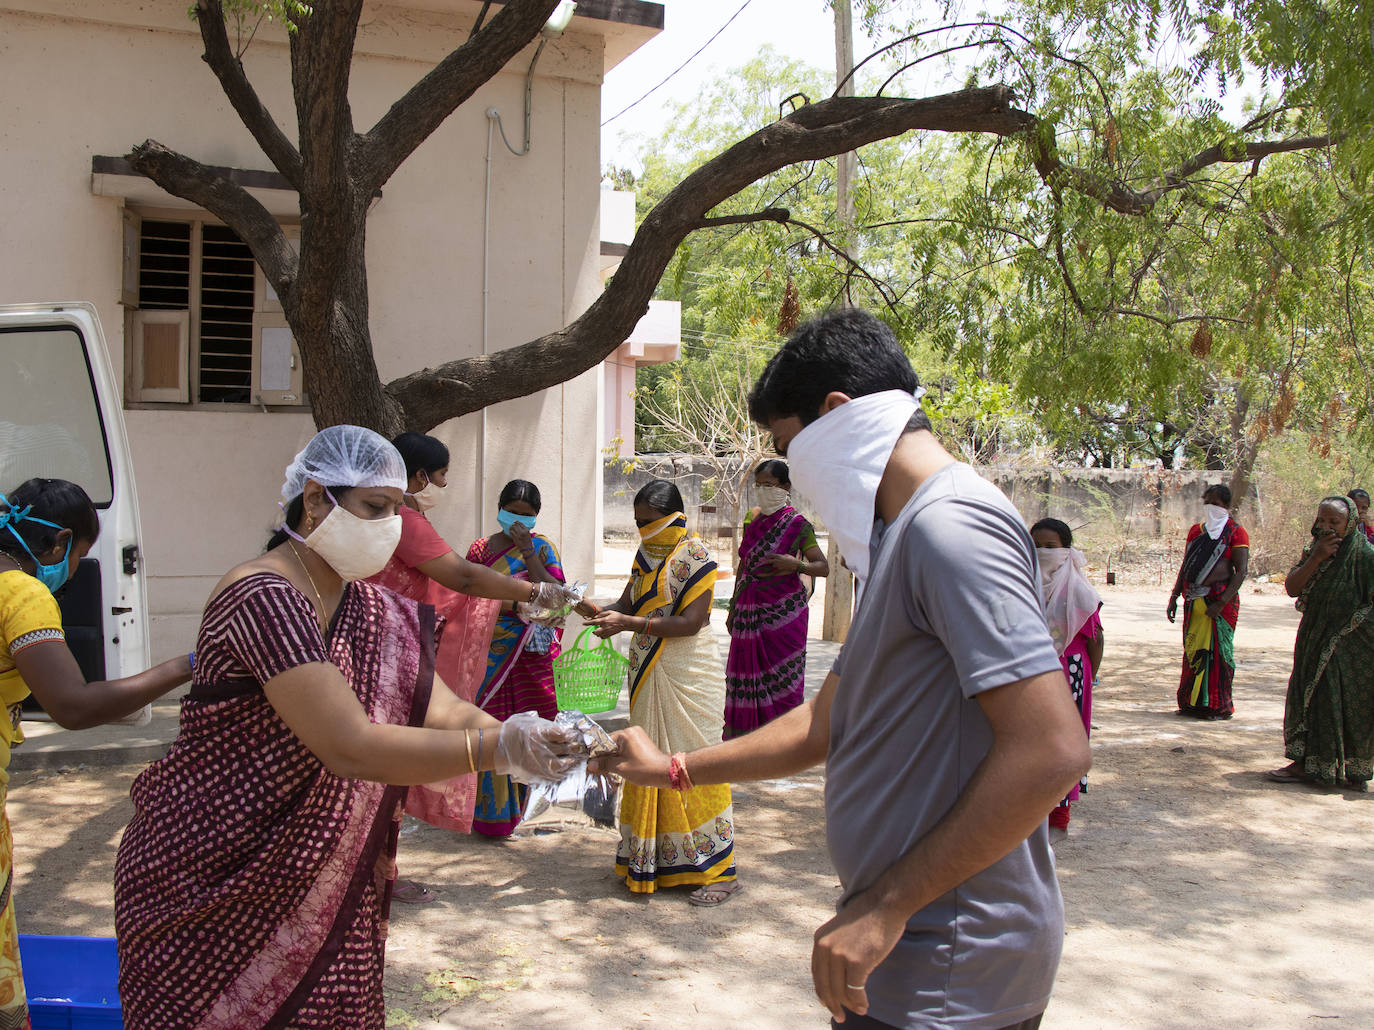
345 456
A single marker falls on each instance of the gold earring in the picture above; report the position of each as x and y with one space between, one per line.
309 522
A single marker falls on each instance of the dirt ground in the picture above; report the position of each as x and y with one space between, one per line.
1197 893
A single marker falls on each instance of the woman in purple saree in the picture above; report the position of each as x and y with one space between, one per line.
252 886
766 668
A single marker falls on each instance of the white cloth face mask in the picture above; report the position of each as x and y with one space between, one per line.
1051 559
427 497
1070 600
355 548
837 462
771 498
1214 519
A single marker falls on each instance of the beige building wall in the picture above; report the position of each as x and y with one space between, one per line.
82 79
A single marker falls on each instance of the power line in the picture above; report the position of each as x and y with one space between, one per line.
684 64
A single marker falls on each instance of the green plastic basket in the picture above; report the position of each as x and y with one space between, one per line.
588 679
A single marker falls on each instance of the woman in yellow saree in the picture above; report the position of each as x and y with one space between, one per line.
46 527
685 836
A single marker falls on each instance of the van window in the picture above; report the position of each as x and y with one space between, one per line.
50 423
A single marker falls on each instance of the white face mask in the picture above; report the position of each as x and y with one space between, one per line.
1051 559
837 462
428 497
1214 519
771 498
355 548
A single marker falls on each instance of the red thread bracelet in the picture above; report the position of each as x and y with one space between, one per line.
678 778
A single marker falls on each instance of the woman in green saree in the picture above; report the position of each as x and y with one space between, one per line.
1328 720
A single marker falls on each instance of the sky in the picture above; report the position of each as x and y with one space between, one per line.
804 29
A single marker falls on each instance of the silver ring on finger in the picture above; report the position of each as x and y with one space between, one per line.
855 987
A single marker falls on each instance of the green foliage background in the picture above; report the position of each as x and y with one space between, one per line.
1231 309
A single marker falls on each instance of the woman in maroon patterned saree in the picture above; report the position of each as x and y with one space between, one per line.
252 886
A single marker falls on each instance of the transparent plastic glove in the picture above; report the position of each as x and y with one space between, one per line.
554 595
535 750
552 603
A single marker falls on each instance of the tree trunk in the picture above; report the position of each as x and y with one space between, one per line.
330 323
1242 476
1247 452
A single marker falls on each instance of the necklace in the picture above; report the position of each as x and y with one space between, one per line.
324 624
6 555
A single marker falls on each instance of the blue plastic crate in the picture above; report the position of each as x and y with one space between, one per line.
71 982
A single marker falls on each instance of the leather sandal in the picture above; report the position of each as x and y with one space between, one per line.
1286 775
712 894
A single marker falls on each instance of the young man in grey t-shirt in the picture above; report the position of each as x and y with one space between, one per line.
946 726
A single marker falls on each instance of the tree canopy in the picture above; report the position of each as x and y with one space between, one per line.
1085 164
1154 267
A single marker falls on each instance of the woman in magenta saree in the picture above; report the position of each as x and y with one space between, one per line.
519 669
766 667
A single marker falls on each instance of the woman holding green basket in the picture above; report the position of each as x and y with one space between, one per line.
683 835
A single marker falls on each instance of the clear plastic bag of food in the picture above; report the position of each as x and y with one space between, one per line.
555 616
580 798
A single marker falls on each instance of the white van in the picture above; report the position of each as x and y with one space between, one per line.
61 418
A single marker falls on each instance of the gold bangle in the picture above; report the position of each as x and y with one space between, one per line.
479 747
472 766
647 623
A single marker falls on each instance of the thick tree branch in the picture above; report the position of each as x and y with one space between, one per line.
230 203
821 130
219 55
771 214
1120 197
814 132
457 77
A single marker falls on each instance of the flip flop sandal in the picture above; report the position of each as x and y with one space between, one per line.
713 894
413 893
1285 775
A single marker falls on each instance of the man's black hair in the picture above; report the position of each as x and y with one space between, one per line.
1359 494
849 352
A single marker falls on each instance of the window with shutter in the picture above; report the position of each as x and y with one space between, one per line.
226 317
203 324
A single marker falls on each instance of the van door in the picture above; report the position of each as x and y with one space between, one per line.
61 418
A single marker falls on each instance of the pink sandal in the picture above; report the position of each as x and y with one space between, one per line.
413 893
